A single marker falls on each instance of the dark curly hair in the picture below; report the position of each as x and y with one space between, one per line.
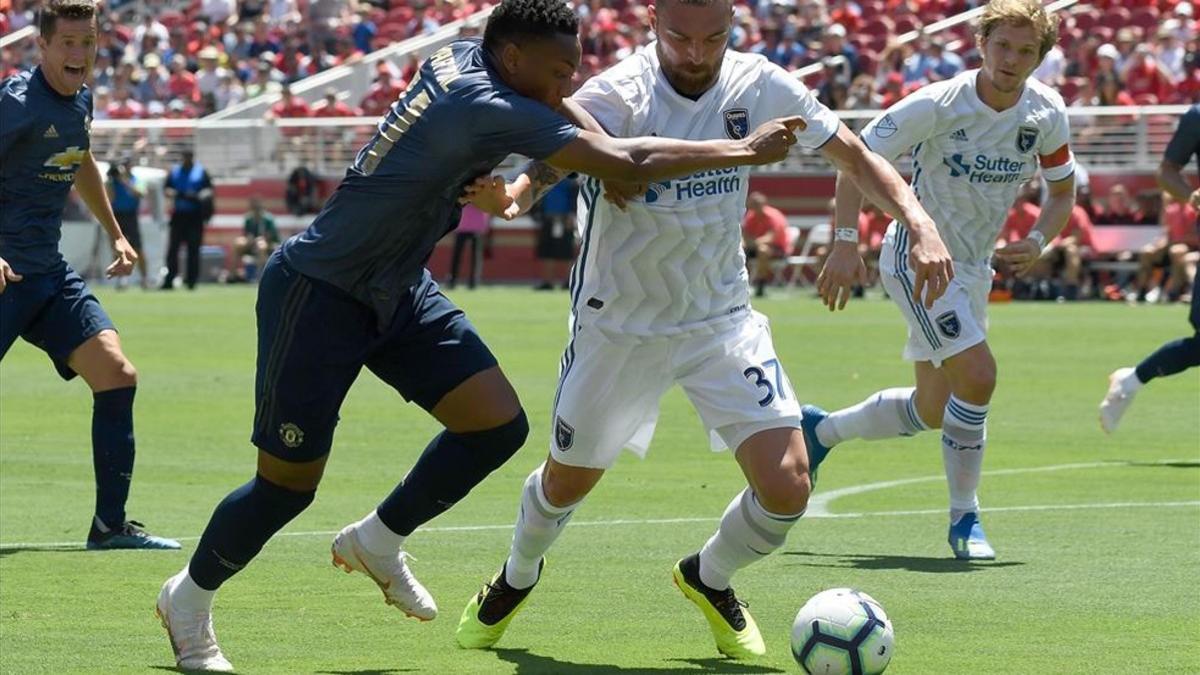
514 20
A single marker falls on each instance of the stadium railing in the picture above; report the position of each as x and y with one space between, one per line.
1104 139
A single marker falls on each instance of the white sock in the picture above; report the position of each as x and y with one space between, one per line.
747 533
885 414
376 537
964 435
189 597
538 524
1130 384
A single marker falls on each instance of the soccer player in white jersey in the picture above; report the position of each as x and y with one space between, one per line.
660 296
976 138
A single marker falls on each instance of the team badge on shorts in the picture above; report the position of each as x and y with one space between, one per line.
1026 139
949 324
564 434
291 435
737 123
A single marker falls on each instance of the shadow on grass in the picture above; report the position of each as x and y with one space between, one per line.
528 663
868 561
1166 465
44 548
366 671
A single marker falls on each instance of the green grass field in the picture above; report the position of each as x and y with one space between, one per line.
1098 537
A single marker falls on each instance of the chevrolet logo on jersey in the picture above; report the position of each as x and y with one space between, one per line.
67 160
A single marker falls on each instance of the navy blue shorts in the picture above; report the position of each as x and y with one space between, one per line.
54 312
313 339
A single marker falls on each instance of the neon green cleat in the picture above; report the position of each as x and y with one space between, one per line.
732 626
489 612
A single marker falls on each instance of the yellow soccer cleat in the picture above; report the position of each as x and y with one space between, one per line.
732 626
489 612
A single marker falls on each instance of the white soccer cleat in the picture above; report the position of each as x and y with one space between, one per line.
191 634
1117 400
400 588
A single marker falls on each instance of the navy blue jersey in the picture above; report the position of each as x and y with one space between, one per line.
43 140
1185 144
456 121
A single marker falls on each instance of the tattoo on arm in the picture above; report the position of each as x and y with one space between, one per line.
542 177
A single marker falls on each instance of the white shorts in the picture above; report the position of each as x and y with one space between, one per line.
958 320
609 392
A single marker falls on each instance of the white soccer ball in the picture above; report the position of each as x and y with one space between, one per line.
842 631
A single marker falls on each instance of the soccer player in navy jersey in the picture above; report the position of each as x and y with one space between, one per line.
45 116
353 291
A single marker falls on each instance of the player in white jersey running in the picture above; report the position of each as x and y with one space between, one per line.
660 296
976 138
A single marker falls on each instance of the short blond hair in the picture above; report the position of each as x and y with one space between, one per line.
1020 13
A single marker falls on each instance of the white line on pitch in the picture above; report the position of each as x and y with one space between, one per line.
670 521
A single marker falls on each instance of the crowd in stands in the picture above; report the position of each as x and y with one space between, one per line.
173 59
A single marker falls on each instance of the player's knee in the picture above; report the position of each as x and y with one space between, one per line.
498 444
979 382
786 492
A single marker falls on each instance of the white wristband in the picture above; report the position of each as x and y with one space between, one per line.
1038 238
845 234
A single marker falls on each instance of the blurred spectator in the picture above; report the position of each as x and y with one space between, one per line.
301 192
289 105
833 43
1065 254
1170 49
262 81
765 239
1146 80
556 234
258 239
862 95
123 107
189 184
182 83
364 31
1053 67
126 195
472 228
218 11
872 226
151 27
330 106
1168 252
210 73
1118 209
383 93
1023 215
421 23
155 84
944 64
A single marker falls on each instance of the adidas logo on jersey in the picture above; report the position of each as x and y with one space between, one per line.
51 132
960 135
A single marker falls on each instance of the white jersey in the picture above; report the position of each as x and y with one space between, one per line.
672 264
969 160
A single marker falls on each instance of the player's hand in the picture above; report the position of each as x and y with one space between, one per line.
1194 200
771 142
843 270
489 194
929 259
7 274
619 193
126 257
1019 256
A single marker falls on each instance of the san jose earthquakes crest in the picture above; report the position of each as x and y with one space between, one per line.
949 324
1026 139
564 434
737 123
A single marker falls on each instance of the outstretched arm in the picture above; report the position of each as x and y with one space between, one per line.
90 186
864 173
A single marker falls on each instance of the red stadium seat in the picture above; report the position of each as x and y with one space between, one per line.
1070 88
1116 18
868 61
878 25
1086 19
1146 18
907 23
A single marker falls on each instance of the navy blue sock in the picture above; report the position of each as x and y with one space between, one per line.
240 526
1173 357
450 467
112 454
